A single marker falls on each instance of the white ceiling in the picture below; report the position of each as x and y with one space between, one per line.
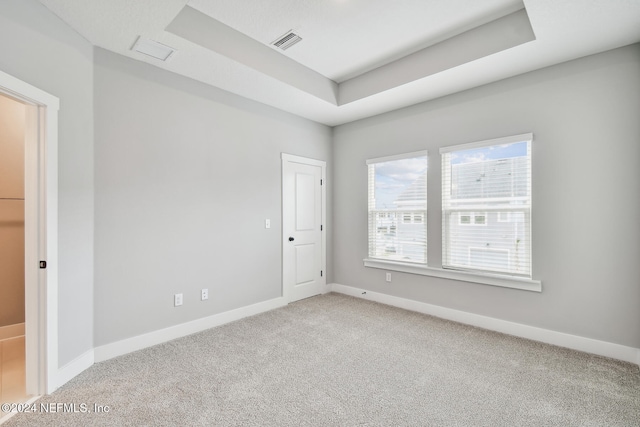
344 38
391 49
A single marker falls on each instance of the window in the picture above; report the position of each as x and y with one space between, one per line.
480 219
412 218
472 219
486 206
398 208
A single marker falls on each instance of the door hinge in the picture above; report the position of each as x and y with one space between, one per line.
320 273
320 227
320 182
43 264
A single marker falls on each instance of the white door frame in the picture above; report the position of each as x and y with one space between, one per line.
41 232
290 158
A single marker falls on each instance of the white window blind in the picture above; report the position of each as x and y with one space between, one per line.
398 207
486 206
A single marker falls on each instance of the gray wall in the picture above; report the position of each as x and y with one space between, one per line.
38 48
185 175
586 182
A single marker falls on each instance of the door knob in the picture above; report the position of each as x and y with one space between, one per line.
291 239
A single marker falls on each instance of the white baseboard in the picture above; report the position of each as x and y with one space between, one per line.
139 342
588 345
72 369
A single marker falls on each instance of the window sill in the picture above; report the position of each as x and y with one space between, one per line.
485 279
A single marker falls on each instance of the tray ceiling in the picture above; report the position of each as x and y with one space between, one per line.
357 58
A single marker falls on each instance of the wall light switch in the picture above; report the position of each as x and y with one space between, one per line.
267 223
388 277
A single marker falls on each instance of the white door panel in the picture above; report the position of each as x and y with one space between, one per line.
305 201
303 234
306 264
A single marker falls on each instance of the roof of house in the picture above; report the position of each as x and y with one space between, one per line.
489 178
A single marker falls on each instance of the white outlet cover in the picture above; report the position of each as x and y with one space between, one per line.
177 300
204 294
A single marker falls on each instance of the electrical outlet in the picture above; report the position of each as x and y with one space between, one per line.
267 223
177 300
388 277
204 294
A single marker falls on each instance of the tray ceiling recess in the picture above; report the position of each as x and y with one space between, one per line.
346 60
495 36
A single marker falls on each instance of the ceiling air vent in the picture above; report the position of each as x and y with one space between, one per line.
286 41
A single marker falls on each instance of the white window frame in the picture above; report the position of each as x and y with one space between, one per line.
459 275
398 214
446 178
485 278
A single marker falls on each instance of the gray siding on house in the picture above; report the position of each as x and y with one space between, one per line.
400 232
496 237
499 242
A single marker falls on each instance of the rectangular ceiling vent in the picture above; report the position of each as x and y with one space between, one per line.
286 41
153 48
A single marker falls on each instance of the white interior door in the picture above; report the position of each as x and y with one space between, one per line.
303 239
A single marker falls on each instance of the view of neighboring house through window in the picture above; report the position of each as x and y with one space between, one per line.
398 208
486 206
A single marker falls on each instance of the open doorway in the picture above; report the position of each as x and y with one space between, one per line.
13 134
39 255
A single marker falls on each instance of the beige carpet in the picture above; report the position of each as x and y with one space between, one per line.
334 360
